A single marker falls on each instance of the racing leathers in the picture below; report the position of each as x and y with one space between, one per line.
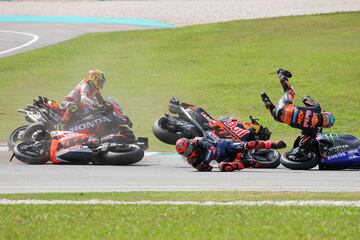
226 152
308 118
80 101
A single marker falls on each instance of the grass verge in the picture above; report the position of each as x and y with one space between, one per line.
179 222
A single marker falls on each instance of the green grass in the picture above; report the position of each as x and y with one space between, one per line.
190 196
179 222
221 67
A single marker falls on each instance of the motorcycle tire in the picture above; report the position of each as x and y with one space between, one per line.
267 158
16 136
124 156
299 164
164 135
33 128
28 156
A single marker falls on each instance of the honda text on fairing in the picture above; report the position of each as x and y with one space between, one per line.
44 115
192 121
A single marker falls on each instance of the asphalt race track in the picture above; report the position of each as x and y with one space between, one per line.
164 172
16 35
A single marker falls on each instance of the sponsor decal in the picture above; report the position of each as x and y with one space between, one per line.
235 129
338 155
307 119
300 117
334 150
314 120
91 124
355 151
354 157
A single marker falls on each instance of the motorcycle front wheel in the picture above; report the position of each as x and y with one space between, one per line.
29 154
35 132
16 136
164 135
303 162
124 154
267 158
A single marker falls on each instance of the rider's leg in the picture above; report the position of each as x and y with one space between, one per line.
268 104
226 166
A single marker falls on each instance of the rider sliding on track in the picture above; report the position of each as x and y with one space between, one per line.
84 98
307 118
199 152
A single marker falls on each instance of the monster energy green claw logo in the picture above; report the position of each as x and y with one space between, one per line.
330 136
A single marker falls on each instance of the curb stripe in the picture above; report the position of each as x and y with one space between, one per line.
184 203
91 20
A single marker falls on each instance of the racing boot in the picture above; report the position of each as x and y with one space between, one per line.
283 74
268 104
231 166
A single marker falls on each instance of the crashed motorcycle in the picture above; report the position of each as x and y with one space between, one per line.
189 121
65 147
326 150
44 114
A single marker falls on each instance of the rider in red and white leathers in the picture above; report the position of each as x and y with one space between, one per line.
84 98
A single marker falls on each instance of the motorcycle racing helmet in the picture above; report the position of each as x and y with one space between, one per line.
184 147
328 119
97 78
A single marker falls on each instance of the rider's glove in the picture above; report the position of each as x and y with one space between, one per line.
283 74
278 145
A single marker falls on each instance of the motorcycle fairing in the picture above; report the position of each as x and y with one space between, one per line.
76 154
65 142
339 150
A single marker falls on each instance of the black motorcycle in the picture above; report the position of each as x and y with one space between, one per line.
189 121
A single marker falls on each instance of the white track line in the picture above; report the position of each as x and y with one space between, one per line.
34 39
181 203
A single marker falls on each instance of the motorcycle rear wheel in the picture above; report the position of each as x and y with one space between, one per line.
267 158
32 129
16 136
23 153
164 135
288 160
124 155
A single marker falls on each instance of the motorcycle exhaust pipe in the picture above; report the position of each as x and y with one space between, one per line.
29 114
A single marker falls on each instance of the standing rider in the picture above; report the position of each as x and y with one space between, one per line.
199 152
307 118
85 97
